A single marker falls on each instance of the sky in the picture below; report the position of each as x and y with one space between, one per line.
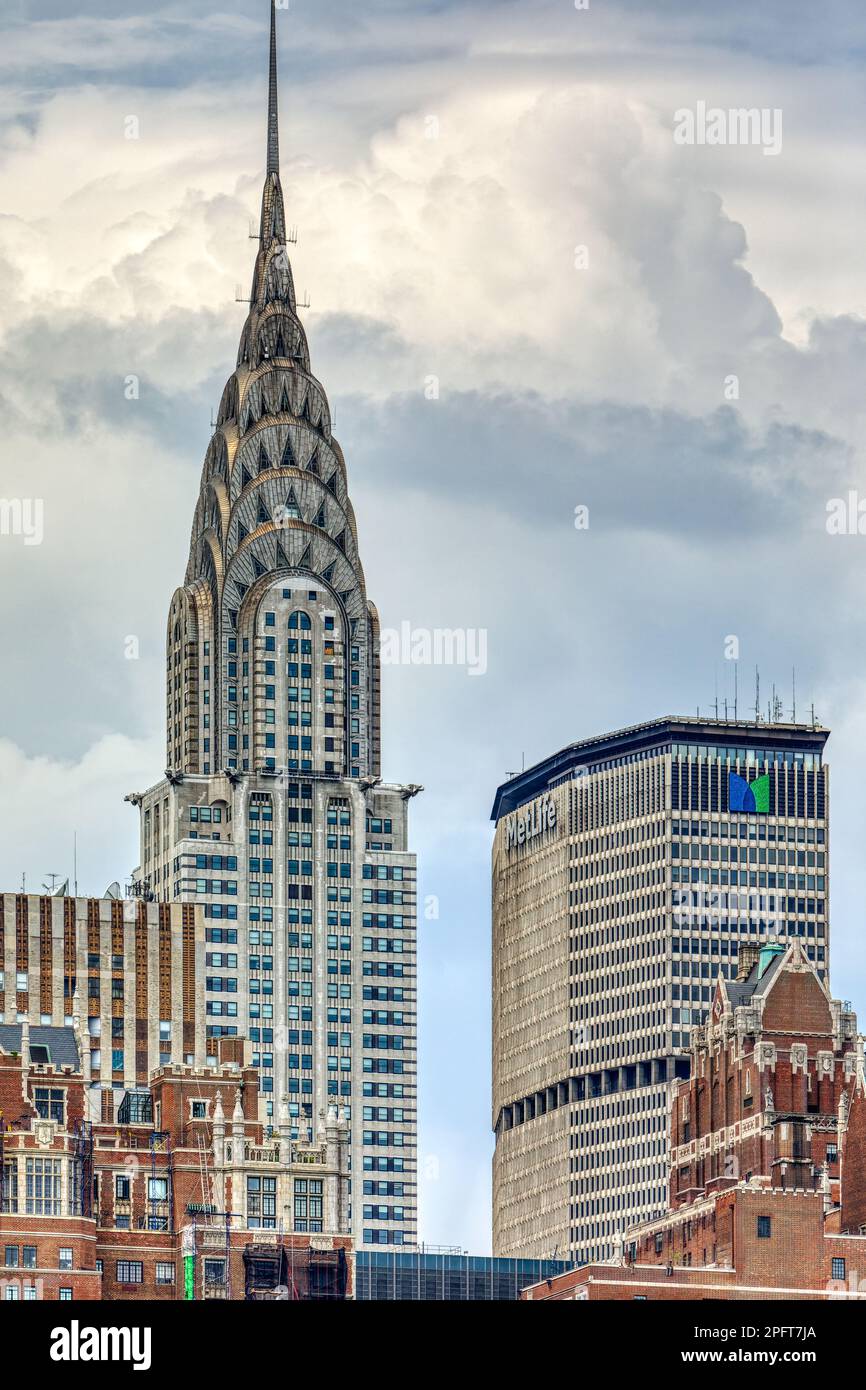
528 296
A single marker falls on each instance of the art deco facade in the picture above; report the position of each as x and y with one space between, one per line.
130 974
625 878
272 813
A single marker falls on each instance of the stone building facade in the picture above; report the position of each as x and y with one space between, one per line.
272 814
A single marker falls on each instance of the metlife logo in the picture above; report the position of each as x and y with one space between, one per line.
538 819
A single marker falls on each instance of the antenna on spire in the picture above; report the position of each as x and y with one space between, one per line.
273 113
255 235
793 694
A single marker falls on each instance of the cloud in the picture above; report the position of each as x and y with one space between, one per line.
84 796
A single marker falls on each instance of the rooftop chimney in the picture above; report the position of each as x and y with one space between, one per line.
747 958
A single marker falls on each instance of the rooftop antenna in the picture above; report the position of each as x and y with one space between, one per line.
736 673
255 235
793 694
716 690
757 696
75 861
49 887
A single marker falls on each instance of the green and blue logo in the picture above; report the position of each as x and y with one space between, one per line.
748 796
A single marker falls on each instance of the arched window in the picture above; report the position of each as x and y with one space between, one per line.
301 620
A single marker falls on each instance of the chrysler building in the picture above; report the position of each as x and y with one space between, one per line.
272 813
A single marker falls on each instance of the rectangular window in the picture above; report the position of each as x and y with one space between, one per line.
64 1258
164 1274
43 1187
130 1272
214 1272
838 1270
764 1227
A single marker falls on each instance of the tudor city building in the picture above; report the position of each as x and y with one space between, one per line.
627 870
272 813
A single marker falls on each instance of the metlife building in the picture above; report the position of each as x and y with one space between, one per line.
627 871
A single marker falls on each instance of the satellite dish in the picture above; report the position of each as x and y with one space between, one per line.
113 890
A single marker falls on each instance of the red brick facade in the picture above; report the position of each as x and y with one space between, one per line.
768 1154
179 1199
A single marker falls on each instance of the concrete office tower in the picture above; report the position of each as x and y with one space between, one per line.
128 976
627 871
272 813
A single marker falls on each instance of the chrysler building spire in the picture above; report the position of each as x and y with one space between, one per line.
273 113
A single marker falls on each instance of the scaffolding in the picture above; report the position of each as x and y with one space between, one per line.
82 1151
213 1249
160 1143
297 1273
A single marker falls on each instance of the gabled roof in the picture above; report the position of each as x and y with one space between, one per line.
760 981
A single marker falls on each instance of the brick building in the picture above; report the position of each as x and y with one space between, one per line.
180 1197
768 1153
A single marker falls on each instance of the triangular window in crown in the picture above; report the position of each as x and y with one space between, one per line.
242 533
346 595
258 567
321 518
246 477
292 509
332 482
288 460
285 406
341 540
262 515
305 559
233 617
280 345
328 574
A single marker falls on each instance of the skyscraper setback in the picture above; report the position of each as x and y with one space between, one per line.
272 812
669 847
